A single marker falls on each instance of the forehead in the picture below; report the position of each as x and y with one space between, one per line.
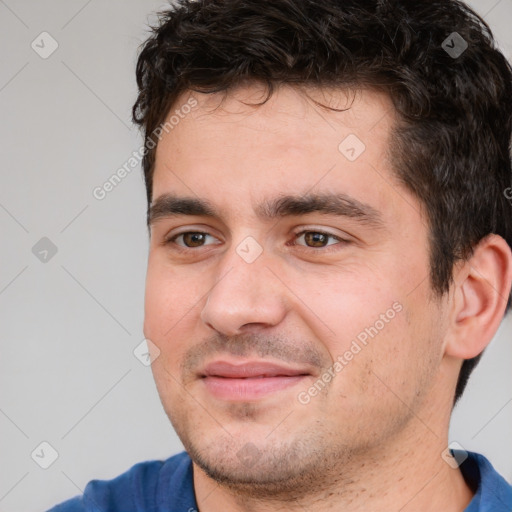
292 112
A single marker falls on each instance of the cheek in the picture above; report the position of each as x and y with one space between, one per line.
166 303
380 336
354 310
400 363
156 306
169 298
174 297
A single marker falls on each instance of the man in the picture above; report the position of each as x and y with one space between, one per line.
330 235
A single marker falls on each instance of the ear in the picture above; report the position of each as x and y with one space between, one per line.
482 288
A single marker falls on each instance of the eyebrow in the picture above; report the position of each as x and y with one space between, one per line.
170 205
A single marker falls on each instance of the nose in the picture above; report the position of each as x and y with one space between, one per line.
245 296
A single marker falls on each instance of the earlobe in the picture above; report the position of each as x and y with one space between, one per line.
480 297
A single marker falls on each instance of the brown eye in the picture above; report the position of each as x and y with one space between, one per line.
315 239
193 239
190 240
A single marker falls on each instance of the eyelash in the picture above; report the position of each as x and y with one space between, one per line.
326 249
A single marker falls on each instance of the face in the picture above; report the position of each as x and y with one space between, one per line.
287 285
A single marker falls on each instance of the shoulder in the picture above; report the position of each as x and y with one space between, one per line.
492 491
145 487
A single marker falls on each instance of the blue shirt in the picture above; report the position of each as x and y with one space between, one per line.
167 486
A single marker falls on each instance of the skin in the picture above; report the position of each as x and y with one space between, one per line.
372 439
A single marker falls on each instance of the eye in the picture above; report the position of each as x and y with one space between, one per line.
318 239
190 239
312 239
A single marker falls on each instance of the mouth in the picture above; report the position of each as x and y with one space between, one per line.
249 380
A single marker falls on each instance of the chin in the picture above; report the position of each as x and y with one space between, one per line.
269 468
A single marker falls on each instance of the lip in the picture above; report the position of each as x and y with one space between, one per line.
250 369
249 380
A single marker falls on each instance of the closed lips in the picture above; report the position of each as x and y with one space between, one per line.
257 369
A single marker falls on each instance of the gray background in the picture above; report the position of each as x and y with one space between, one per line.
69 325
